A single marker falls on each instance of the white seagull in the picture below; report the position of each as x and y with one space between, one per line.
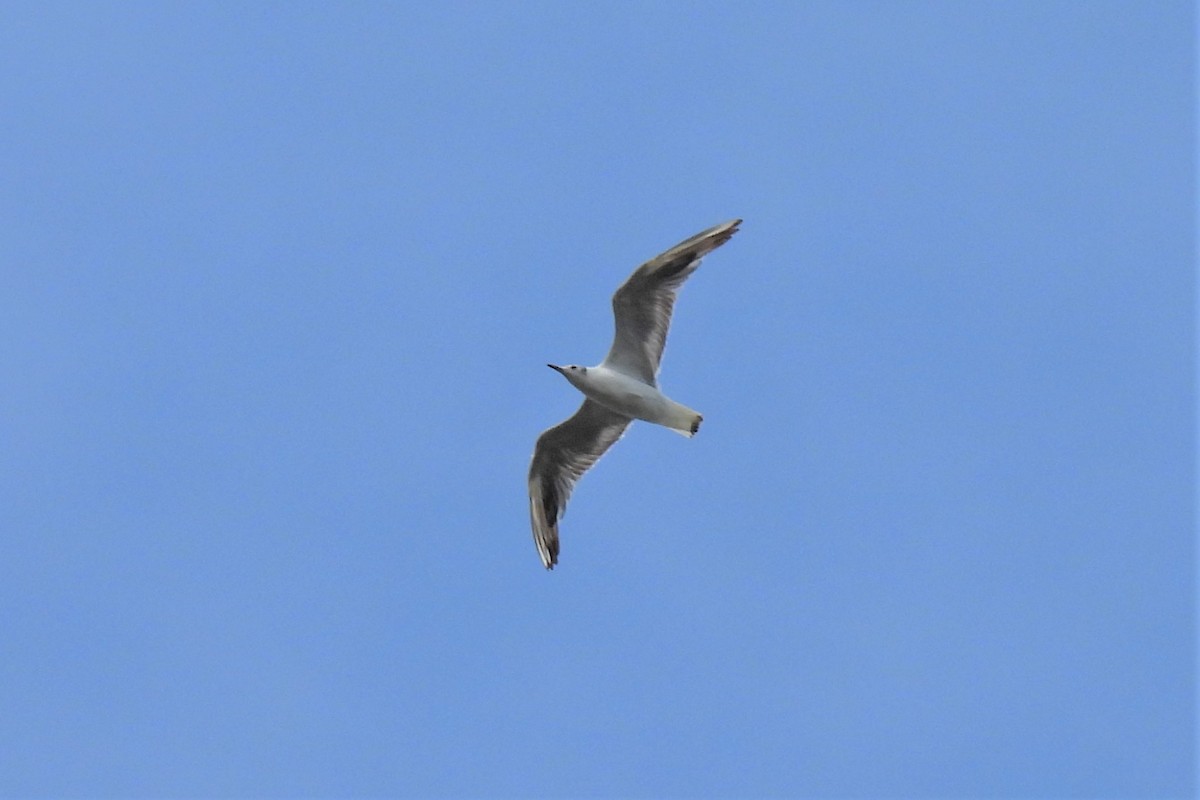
622 388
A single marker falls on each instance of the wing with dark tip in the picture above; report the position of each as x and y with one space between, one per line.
563 453
642 306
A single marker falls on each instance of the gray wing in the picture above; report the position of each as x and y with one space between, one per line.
563 453
642 305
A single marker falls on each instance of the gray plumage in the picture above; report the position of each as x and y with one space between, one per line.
620 389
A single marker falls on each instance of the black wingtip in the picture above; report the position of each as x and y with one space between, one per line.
715 236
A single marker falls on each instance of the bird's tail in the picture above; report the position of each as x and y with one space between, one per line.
683 420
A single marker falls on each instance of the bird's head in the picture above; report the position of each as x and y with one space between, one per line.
572 372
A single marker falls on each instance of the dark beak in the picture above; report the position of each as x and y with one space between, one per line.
556 368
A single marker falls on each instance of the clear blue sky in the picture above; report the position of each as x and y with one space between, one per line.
279 283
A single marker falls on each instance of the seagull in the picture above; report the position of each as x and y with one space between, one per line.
622 388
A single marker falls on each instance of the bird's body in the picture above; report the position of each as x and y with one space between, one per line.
622 388
632 397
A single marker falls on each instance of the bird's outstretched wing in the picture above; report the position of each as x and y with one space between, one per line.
642 305
562 454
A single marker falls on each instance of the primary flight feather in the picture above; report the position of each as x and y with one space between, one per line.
620 389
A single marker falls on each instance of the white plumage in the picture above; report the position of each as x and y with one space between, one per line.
622 388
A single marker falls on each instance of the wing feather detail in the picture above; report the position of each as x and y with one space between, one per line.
643 304
562 454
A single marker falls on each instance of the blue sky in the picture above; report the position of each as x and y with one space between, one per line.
279 286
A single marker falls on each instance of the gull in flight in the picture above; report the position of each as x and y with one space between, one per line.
622 388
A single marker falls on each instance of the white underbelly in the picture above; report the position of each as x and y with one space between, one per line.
625 396
638 400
